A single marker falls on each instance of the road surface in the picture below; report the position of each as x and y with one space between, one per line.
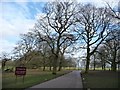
70 80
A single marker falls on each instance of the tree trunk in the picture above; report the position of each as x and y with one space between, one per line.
44 68
113 68
3 65
60 65
88 60
94 63
55 65
104 65
44 65
102 62
87 64
94 67
50 63
54 69
50 68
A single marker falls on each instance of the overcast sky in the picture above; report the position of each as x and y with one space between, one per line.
18 16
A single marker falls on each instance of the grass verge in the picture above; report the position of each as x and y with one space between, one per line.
100 79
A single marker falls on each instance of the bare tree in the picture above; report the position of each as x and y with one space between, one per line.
54 28
24 50
4 58
45 51
114 13
63 49
113 46
93 28
94 61
103 55
110 49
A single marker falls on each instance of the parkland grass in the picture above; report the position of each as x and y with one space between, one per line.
32 78
100 79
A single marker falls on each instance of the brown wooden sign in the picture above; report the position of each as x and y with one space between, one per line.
20 71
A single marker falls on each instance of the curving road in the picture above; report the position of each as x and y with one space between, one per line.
70 80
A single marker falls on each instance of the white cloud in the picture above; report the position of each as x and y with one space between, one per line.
6 46
100 3
39 15
13 22
95 2
27 0
59 0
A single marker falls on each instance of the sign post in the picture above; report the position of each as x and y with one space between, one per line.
20 71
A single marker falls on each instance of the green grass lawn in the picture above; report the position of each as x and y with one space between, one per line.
32 77
100 79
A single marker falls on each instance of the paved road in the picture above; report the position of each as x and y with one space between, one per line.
70 80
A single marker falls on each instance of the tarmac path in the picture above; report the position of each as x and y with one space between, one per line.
70 80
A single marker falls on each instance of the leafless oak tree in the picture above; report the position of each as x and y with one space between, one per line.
55 26
93 28
24 50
